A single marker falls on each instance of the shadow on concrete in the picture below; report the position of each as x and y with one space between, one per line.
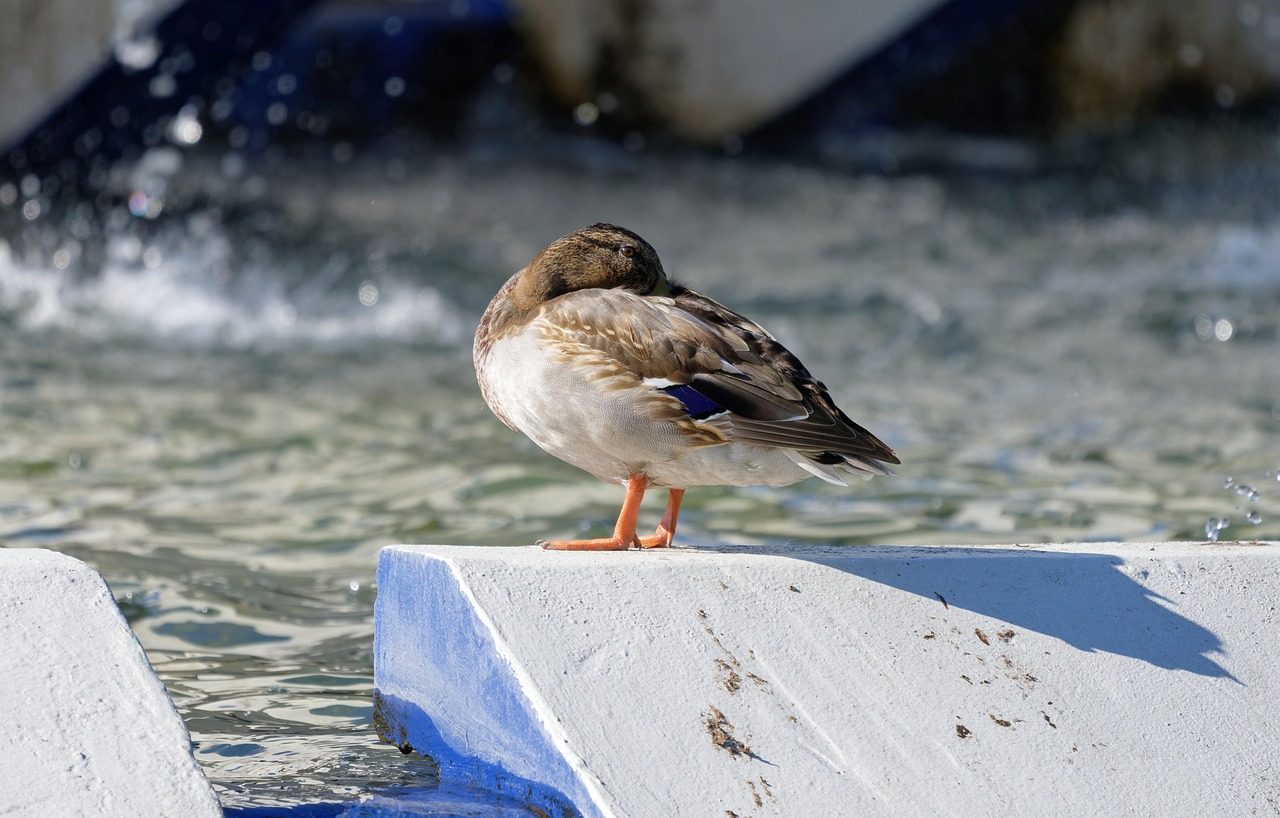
1084 599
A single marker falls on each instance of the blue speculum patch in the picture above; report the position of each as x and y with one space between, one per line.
698 405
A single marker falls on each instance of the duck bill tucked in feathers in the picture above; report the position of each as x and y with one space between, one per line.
595 355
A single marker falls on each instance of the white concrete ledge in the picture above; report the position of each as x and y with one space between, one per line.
88 727
1090 679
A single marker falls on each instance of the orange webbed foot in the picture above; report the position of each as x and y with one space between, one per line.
659 539
624 533
666 533
603 544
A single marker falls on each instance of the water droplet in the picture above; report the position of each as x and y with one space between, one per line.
368 293
138 53
277 113
353 586
144 206
1253 517
8 194
586 113
162 86
232 165
1228 483
1247 491
393 87
221 109
128 248
286 316
74 460
185 128
1223 330
1213 526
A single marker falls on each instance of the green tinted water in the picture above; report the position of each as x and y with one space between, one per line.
230 408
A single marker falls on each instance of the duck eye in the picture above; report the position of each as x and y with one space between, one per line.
627 250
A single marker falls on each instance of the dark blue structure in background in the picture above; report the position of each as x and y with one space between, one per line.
274 70
350 71
277 68
117 114
996 44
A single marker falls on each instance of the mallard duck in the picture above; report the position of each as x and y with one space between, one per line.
600 359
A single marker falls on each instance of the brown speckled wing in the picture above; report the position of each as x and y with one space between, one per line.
825 428
771 398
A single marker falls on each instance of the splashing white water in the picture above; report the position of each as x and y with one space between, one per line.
169 294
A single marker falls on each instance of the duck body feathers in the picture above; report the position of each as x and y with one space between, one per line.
672 386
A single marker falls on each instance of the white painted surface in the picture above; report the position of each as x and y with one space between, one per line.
88 728
1090 679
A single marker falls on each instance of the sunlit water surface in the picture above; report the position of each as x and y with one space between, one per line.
228 394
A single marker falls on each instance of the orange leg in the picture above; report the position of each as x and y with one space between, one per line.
667 528
624 532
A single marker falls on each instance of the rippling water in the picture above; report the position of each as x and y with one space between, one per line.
228 402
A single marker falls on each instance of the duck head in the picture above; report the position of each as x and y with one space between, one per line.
602 256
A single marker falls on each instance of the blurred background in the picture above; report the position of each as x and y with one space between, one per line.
1035 247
